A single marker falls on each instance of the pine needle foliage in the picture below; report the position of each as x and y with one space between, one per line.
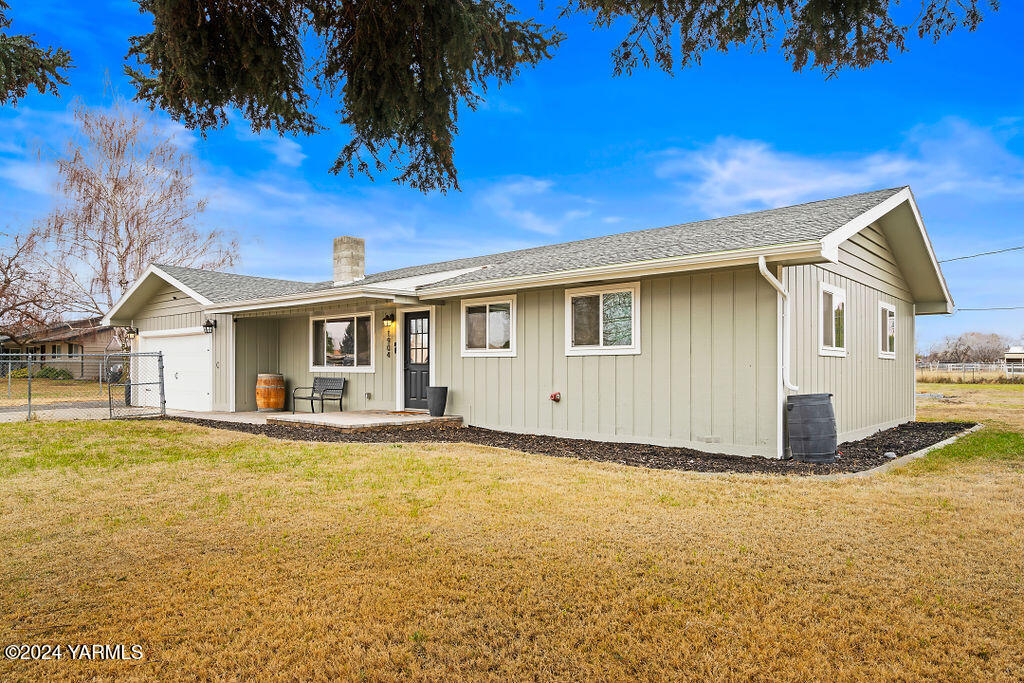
24 64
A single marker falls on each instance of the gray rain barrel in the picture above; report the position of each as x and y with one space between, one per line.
812 427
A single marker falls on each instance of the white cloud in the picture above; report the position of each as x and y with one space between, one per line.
530 204
181 136
286 152
29 175
952 157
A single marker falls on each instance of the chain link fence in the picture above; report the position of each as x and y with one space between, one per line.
80 386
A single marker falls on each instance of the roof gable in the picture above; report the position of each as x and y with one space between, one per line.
899 219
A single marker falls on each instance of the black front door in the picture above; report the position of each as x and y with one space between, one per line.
417 358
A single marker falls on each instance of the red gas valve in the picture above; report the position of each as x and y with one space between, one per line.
556 397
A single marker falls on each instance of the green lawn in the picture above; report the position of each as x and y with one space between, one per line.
232 556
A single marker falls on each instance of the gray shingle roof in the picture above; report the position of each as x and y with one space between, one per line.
225 287
791 224
786 225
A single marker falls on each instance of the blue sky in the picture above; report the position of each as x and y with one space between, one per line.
569 151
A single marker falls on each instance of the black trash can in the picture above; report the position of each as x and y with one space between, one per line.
437 399
812 427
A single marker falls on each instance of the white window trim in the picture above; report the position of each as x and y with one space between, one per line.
353 369
836 292
887 355
632 350
510 352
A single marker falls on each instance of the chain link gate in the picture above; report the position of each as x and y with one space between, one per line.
80 386
135 385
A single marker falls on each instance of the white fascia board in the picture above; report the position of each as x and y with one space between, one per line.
177 332
808 251
830 243
414 281
401 290
183 287
933 308
153 270
321 296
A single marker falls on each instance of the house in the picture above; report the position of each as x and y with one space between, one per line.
1014 357
73 345
690 335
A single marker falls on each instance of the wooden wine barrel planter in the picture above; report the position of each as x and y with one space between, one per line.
269 392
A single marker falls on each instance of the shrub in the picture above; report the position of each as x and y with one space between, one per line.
48 372
45 372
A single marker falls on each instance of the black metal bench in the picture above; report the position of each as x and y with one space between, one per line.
323 389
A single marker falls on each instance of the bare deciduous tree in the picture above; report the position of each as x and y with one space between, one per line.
127 200
27 297
970 347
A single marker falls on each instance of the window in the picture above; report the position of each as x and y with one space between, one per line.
832 321
602 320
886 330
489 327
56 350
342 343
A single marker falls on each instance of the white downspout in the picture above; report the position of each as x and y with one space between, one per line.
774 282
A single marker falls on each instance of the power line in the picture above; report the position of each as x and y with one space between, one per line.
993 308
984 253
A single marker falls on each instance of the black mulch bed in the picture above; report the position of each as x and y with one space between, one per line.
856 455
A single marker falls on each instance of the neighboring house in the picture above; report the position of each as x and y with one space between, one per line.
74 345
677 336
1015 357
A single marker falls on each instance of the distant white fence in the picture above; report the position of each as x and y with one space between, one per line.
1009 369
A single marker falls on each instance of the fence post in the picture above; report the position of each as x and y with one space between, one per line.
160 375
9 361
110 394
29 415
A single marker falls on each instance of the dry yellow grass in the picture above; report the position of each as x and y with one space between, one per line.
232 556
1001 404
47 391
925 376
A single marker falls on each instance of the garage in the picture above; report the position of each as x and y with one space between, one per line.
188 369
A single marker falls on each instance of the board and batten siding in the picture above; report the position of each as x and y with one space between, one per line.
256 351
172 309
706 377
869 393
279 341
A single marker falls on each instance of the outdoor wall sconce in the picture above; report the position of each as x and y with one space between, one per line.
131 332
209 326
389 326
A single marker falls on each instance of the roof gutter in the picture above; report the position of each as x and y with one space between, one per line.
784 293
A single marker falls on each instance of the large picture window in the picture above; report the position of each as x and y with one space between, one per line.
489 327
832 332
602 320
342 343
886 330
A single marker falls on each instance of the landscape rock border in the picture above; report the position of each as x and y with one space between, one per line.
866 454
900 461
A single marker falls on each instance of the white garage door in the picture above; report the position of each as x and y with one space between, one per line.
188 370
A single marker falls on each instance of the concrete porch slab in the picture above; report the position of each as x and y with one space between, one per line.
347 421
358 420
